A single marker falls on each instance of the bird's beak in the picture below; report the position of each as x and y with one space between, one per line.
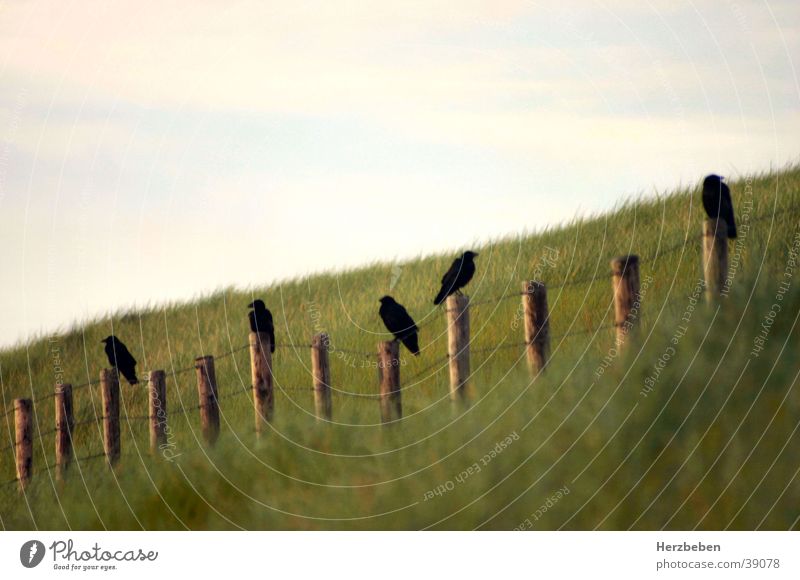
250 305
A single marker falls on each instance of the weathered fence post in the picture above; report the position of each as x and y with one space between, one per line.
389 366
261 377
457 307
207 393
537 324
715 257
157 398
321 373
625 282
23 423
65 423
109 389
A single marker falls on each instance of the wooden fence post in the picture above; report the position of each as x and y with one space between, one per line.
537 324
65 423
625 282
457 307
109 388
261 378
207 393
389 366
715 257
321 373
23 423
157 398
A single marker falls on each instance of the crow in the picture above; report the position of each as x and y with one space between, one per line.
399 323
458 276
120 357
717 202
261 321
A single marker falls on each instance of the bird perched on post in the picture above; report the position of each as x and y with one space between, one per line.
458 276
717 202
261 321
120 357
399 323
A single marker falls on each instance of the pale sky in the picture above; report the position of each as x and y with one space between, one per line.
177 143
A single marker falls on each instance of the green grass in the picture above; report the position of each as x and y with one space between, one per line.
712 443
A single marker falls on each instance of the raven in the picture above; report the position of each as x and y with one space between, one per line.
120 357
717 202
399 323
261 321
458 276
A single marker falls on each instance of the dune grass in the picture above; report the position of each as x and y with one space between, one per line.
689 427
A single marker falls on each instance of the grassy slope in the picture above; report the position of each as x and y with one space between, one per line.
713 445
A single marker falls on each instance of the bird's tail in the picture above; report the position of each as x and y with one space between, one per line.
440 296
732 231
411 342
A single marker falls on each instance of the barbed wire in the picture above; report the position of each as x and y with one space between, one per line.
291 345
297 389
88 421
86 384
37 437
183 410
33 400
778 214
496 299
100 455
578 282
50 466
670 249
231 352
177 372
351 351
43 434
9 482
130 418
425 369
45 469
500 346
583 332
235 393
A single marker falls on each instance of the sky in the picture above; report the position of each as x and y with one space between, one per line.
152 152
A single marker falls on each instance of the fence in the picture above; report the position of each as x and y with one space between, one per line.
536 343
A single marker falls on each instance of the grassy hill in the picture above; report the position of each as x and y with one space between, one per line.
690 427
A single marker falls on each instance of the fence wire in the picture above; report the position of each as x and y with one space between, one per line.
684 242
436 363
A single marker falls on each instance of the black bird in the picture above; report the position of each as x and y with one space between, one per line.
261 321
399 323
120 357
717 202
458 276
